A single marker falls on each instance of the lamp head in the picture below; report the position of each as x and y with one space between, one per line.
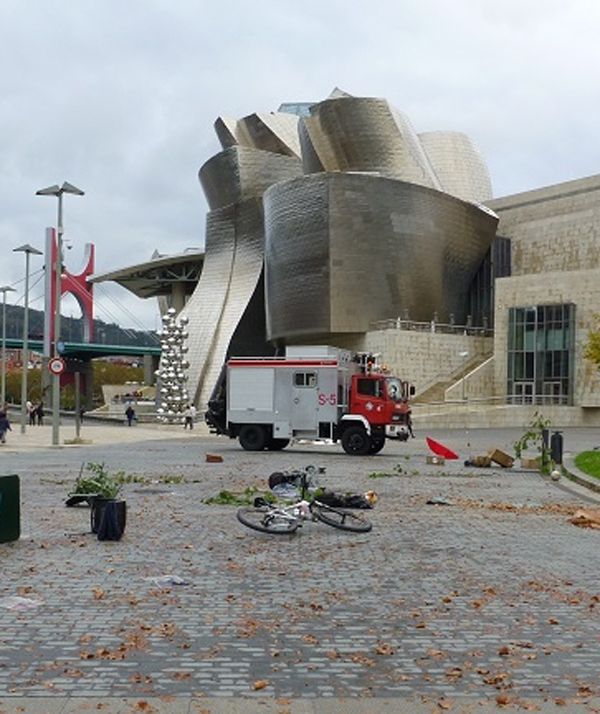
49 191
59 190
27 249
69 188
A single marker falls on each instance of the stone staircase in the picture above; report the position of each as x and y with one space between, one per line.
433 393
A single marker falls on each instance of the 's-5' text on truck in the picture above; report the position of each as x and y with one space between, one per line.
311 393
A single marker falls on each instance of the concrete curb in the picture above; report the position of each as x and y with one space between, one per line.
574 474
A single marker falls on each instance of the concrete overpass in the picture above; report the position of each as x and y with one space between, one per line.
173 277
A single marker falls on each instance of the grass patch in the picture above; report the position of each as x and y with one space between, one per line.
231 498
589 463
398 471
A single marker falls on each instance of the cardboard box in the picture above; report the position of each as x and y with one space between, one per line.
436 460
500 458
530 464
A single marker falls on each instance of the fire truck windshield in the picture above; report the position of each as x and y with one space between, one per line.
395 390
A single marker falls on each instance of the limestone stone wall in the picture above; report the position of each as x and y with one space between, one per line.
508 416
422 358
556 228
581 287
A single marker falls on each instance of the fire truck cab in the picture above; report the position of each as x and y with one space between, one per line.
313 392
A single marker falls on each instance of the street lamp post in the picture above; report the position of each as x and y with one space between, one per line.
28 250
58 192
4 289
464 355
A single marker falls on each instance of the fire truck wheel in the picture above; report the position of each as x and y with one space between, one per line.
252 437
356 441
277 444
377 443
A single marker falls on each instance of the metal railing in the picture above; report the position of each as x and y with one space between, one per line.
433 326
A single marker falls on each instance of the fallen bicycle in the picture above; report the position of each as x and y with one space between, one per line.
278 519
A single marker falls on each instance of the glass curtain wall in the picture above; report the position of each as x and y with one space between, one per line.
541 343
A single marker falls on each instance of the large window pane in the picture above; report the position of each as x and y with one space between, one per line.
541 343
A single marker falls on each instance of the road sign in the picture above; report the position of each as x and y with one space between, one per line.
56 365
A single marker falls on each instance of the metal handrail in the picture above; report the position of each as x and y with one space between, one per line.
433 326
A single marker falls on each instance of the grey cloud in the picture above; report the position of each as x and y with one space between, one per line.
120 98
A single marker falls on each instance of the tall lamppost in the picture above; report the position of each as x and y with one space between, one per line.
28 250
58 192
464 355
4 289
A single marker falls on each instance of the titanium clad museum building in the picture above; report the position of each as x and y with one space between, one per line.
337 223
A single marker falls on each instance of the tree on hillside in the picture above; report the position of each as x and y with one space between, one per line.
592 349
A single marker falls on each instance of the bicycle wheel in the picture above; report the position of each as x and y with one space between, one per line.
342 519
267 519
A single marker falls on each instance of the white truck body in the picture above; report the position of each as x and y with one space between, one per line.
300 395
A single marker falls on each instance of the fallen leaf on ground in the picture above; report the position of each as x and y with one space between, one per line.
260 684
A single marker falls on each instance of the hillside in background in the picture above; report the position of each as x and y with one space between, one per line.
72 329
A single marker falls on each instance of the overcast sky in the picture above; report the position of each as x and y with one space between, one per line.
119 98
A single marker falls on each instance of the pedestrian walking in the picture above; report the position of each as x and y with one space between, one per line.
30 412
189 416
39 413
130 414
4 426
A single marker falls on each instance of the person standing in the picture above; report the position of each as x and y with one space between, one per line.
4 426
30 412
189 416
130 414
39 412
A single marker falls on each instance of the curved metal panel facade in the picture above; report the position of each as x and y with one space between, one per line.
364 134
342 251
276 132
458 165
232 270
241 172
367 235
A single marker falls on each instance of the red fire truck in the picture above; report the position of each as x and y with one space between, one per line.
313 392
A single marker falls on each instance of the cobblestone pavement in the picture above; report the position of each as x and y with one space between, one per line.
496 597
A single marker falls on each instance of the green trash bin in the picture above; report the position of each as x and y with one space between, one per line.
10 509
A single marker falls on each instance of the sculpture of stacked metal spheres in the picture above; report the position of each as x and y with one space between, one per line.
173 395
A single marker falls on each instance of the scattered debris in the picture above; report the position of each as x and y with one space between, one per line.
440 450
214 459
19 604
236 498
586 518
482 462
436 460
501 458
439 501
346 500
530 463
162 580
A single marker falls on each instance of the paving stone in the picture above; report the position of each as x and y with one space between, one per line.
462 581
